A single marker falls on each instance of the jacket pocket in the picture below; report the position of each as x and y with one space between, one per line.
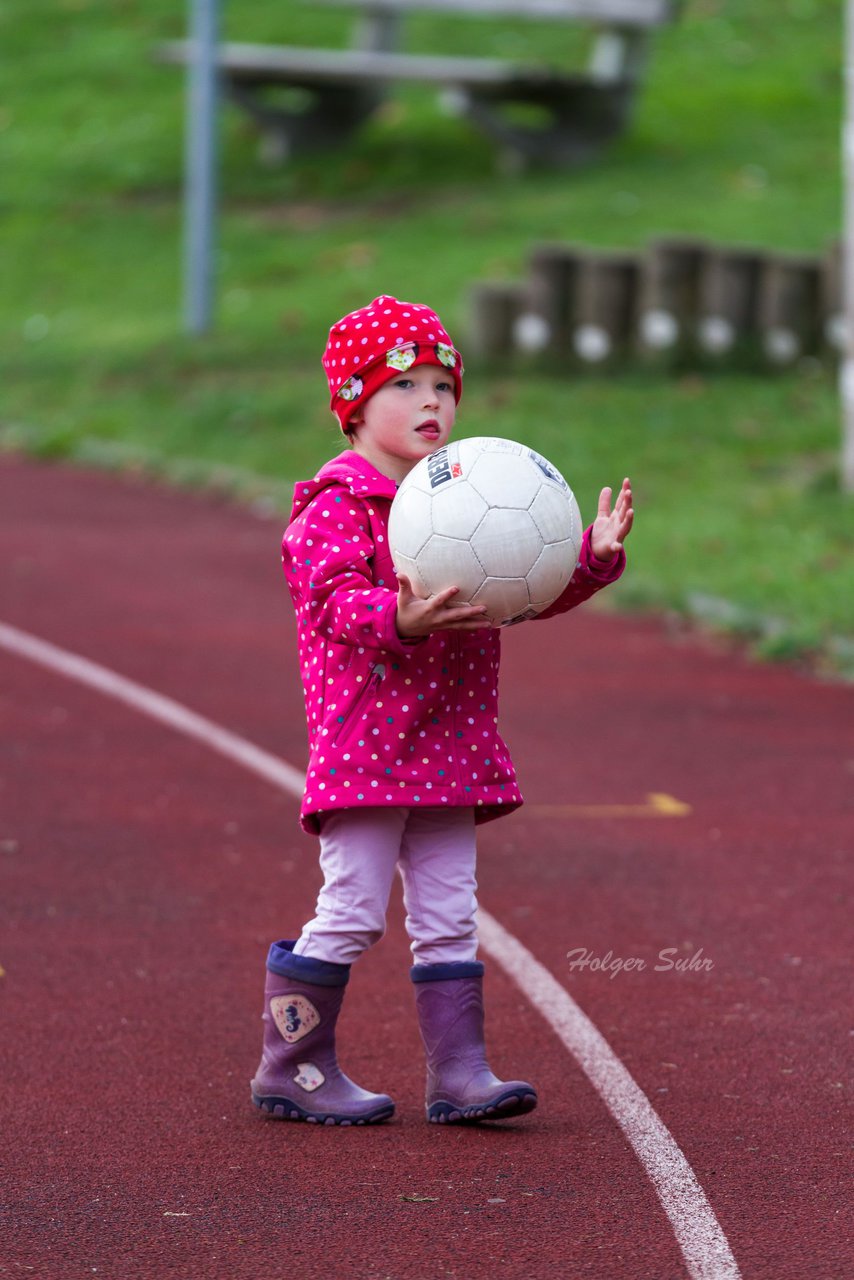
369 690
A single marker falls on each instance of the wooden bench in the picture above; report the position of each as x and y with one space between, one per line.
303 98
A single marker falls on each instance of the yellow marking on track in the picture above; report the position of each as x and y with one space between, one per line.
658 805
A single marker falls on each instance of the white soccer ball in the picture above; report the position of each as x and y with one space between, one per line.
491 517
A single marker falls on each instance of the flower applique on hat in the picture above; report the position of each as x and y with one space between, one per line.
402 358
352 389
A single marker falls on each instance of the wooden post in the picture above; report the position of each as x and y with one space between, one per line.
729 290
544 321
605 307
788 308
669 293
493 308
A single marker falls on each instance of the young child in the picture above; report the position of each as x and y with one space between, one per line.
405 759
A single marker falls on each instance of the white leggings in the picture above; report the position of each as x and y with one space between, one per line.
360 849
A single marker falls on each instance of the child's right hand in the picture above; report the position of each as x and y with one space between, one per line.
419 617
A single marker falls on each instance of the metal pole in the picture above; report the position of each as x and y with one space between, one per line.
200 166
846 376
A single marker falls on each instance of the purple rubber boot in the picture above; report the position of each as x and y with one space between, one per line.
461 1089
299 1077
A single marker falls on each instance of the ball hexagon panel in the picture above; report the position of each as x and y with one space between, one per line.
507 543
556 515
505 599
554 567
409 566
457 510
503 479
410 522
450 562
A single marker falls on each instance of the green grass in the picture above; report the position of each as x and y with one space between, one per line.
740 518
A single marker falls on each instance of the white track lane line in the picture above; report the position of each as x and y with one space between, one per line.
704 1247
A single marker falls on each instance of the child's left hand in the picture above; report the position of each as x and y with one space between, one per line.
611 528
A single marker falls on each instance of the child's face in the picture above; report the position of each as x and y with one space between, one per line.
408 418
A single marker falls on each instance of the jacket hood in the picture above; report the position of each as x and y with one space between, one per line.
348 469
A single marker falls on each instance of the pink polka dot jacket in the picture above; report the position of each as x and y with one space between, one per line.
392 721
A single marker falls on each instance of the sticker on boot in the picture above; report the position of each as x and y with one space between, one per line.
309 1077
294 1015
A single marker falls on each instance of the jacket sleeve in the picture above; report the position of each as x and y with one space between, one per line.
327 554
590 576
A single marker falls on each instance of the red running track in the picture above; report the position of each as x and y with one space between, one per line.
143 877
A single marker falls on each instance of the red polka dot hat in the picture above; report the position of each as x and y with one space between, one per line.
379 342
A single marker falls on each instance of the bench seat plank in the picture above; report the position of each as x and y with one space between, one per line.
292 64
620 13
